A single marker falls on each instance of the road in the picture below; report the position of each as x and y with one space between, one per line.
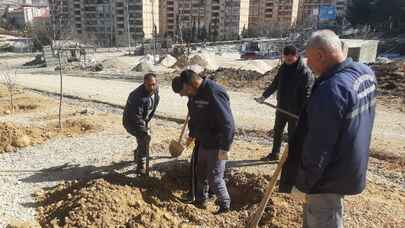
248 114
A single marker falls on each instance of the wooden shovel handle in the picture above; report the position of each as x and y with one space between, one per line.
254 220
184 127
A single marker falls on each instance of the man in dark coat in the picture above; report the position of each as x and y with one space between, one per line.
333 136
293 84
212 125
139 110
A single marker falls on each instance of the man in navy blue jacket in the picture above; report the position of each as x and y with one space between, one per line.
139 110
333 134
212 125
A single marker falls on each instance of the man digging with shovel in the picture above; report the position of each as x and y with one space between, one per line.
139 110
212 125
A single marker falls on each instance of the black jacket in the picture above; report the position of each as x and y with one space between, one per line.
211 120
293 85
135 118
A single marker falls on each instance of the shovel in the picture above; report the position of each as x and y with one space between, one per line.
175 147
254 219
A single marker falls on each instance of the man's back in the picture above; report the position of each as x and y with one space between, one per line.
339 121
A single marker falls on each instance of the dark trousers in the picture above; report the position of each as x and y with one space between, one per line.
142 151
279 125
211 169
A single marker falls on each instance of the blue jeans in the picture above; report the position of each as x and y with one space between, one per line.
323 211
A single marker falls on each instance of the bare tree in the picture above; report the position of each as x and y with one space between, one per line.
9 79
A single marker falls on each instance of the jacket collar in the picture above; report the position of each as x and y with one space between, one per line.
203 85
335 69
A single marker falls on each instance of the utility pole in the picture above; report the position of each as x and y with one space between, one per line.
128 30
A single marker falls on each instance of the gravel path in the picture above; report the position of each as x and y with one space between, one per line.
248 113
79 156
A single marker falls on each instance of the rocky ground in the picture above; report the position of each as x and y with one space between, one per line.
82 176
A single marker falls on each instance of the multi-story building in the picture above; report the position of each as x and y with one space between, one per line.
309 10
268 14
204 19
108 22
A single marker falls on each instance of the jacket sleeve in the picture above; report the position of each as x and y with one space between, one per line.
224 119
272 87
191 124
306 87
136 115
157 100
324 120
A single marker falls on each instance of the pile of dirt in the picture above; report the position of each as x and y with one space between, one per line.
21 102
168 61
120 201
115 64
145 64
13 136
391 78
182 62
242 79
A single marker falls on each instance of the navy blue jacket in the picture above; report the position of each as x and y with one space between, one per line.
135 117
335 131
211 120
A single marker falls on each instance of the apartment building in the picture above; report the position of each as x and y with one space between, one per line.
107 22
203 19
309 10
268 14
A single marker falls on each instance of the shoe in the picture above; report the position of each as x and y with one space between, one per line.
271 157
222 210
202 204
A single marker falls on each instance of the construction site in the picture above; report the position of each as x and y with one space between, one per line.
67 161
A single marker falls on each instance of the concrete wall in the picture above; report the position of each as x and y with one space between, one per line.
364 51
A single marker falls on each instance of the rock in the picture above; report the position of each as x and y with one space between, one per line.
21 141
9 149
7 112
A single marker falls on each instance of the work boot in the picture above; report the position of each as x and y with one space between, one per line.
202 204
222 210
271 157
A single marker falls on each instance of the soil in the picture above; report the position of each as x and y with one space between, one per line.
13 136
116 200
391 83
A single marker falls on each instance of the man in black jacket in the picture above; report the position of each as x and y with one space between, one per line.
293 84
139 110
212 125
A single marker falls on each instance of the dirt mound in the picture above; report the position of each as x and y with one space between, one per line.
21 104
391 78
198 60
117 200
182 62
13 137
168 61
242 79
115 64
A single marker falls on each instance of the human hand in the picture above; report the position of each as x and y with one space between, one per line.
297 193
223 155
189 141
260 100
